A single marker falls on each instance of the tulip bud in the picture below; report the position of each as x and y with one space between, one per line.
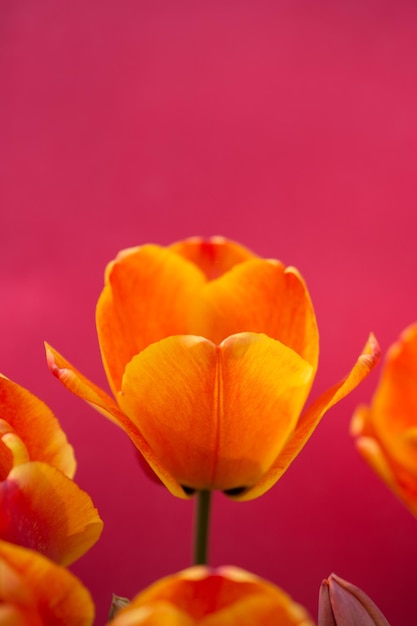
343 604
117 603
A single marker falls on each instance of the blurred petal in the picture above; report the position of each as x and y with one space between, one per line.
146 297
204 419
37 427
13 451
326 617
44 510
158 614
6 459
36 590
79 385
386 432
312 416
398 479
223 597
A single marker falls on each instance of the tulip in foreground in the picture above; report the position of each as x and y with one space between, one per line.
210 352
35 591
41 507
343 604
386 432
226 596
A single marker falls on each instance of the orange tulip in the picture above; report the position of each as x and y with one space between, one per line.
386 432
222 597
210 353
29 431
35 591
41 507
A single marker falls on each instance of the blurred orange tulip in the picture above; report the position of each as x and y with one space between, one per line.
35 591
222 597
386 432
343 604
41 507
210 353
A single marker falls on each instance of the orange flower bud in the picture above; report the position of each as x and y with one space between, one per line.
386 432
226 596
210 353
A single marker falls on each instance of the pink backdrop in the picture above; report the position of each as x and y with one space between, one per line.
288 126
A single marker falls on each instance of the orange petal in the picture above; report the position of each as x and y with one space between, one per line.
36 426
214 256
312 416
217 415
392 419
12 450
145 298
219 597
262 297
399 480
44 510
35 591
79 385
154 615
6 460
386 433
210 288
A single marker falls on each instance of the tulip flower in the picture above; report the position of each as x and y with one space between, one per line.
29 431
343 604
221 597
386 432
210 352
41 507
35 591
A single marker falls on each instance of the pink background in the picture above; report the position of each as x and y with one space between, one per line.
288 126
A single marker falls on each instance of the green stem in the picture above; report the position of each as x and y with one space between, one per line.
201 528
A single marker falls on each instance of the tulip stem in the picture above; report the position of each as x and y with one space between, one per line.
201 528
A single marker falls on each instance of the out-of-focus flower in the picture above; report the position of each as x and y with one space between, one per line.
29 431
343 604
386 432
41 507
210 352
34 591
221 597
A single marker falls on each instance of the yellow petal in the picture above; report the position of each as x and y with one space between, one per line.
36 426
79 385
217 415
18 451
43 593
44 510
312 416
145 298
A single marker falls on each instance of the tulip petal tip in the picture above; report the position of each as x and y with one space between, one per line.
375 354
50 359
